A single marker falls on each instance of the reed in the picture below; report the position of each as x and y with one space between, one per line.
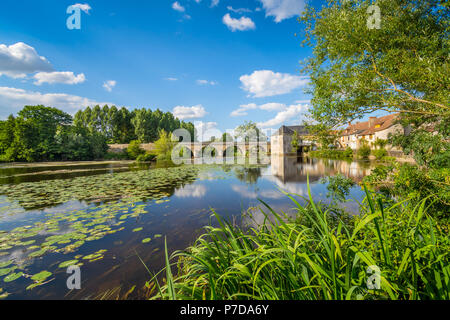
318 259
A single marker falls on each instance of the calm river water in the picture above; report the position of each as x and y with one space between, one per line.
106 217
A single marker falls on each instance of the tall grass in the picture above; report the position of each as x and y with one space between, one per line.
319 259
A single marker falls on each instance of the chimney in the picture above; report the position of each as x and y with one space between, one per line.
372 122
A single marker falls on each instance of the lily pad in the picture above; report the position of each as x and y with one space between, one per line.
68 263
41 276
13 277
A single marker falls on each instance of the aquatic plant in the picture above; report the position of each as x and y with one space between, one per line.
393 251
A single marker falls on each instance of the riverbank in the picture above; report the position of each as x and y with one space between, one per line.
322 254
61 163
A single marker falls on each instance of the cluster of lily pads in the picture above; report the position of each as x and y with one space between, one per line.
122 195
100 188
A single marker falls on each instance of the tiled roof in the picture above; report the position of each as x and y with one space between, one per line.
301 130
371 126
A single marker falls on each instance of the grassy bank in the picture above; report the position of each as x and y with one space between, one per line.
332 154
317 256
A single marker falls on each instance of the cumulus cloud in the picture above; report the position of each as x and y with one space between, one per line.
178 7
283 9
13 99
238 10
109 85
84 7
206 82
266 83
194 112
242 110
287 115
241 24
20 59
191 191
205 130
66 77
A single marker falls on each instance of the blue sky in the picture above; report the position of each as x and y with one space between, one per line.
213 62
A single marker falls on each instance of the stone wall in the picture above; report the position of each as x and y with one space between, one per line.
119 148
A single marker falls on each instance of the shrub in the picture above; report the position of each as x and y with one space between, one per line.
379 153
364 151
134 149
348 153
116 156
164 146
146 157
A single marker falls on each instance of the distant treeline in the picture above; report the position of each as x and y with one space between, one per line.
40 133
123 126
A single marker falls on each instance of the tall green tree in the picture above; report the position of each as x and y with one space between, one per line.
402 66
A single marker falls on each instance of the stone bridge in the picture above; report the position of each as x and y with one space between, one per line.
223 149
213 149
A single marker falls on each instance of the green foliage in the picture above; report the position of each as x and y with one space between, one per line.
41 134
428 149
338 187
284 260
348 153
146 157
332 154
164 146
379 153
249 131
418 184
323 133
295 143
123 126
116 156
134 149
380 143
400 67
363 151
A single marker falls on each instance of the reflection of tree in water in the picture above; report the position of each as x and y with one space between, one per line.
249 175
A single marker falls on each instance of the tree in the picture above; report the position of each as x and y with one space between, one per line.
401 67
323 134
164 146
249 131
134 149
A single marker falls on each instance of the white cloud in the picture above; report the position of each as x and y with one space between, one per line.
266 83
289 114
194 112
19 59
214 3
205 130
178 7
240 24
206 82
283 9
238 10
66 77
109 85
85 7
242 110
191 191
18 98
273 106
171 79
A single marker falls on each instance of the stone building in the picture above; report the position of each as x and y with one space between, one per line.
281 140
370 131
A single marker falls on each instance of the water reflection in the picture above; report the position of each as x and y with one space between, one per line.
228 189
296 169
